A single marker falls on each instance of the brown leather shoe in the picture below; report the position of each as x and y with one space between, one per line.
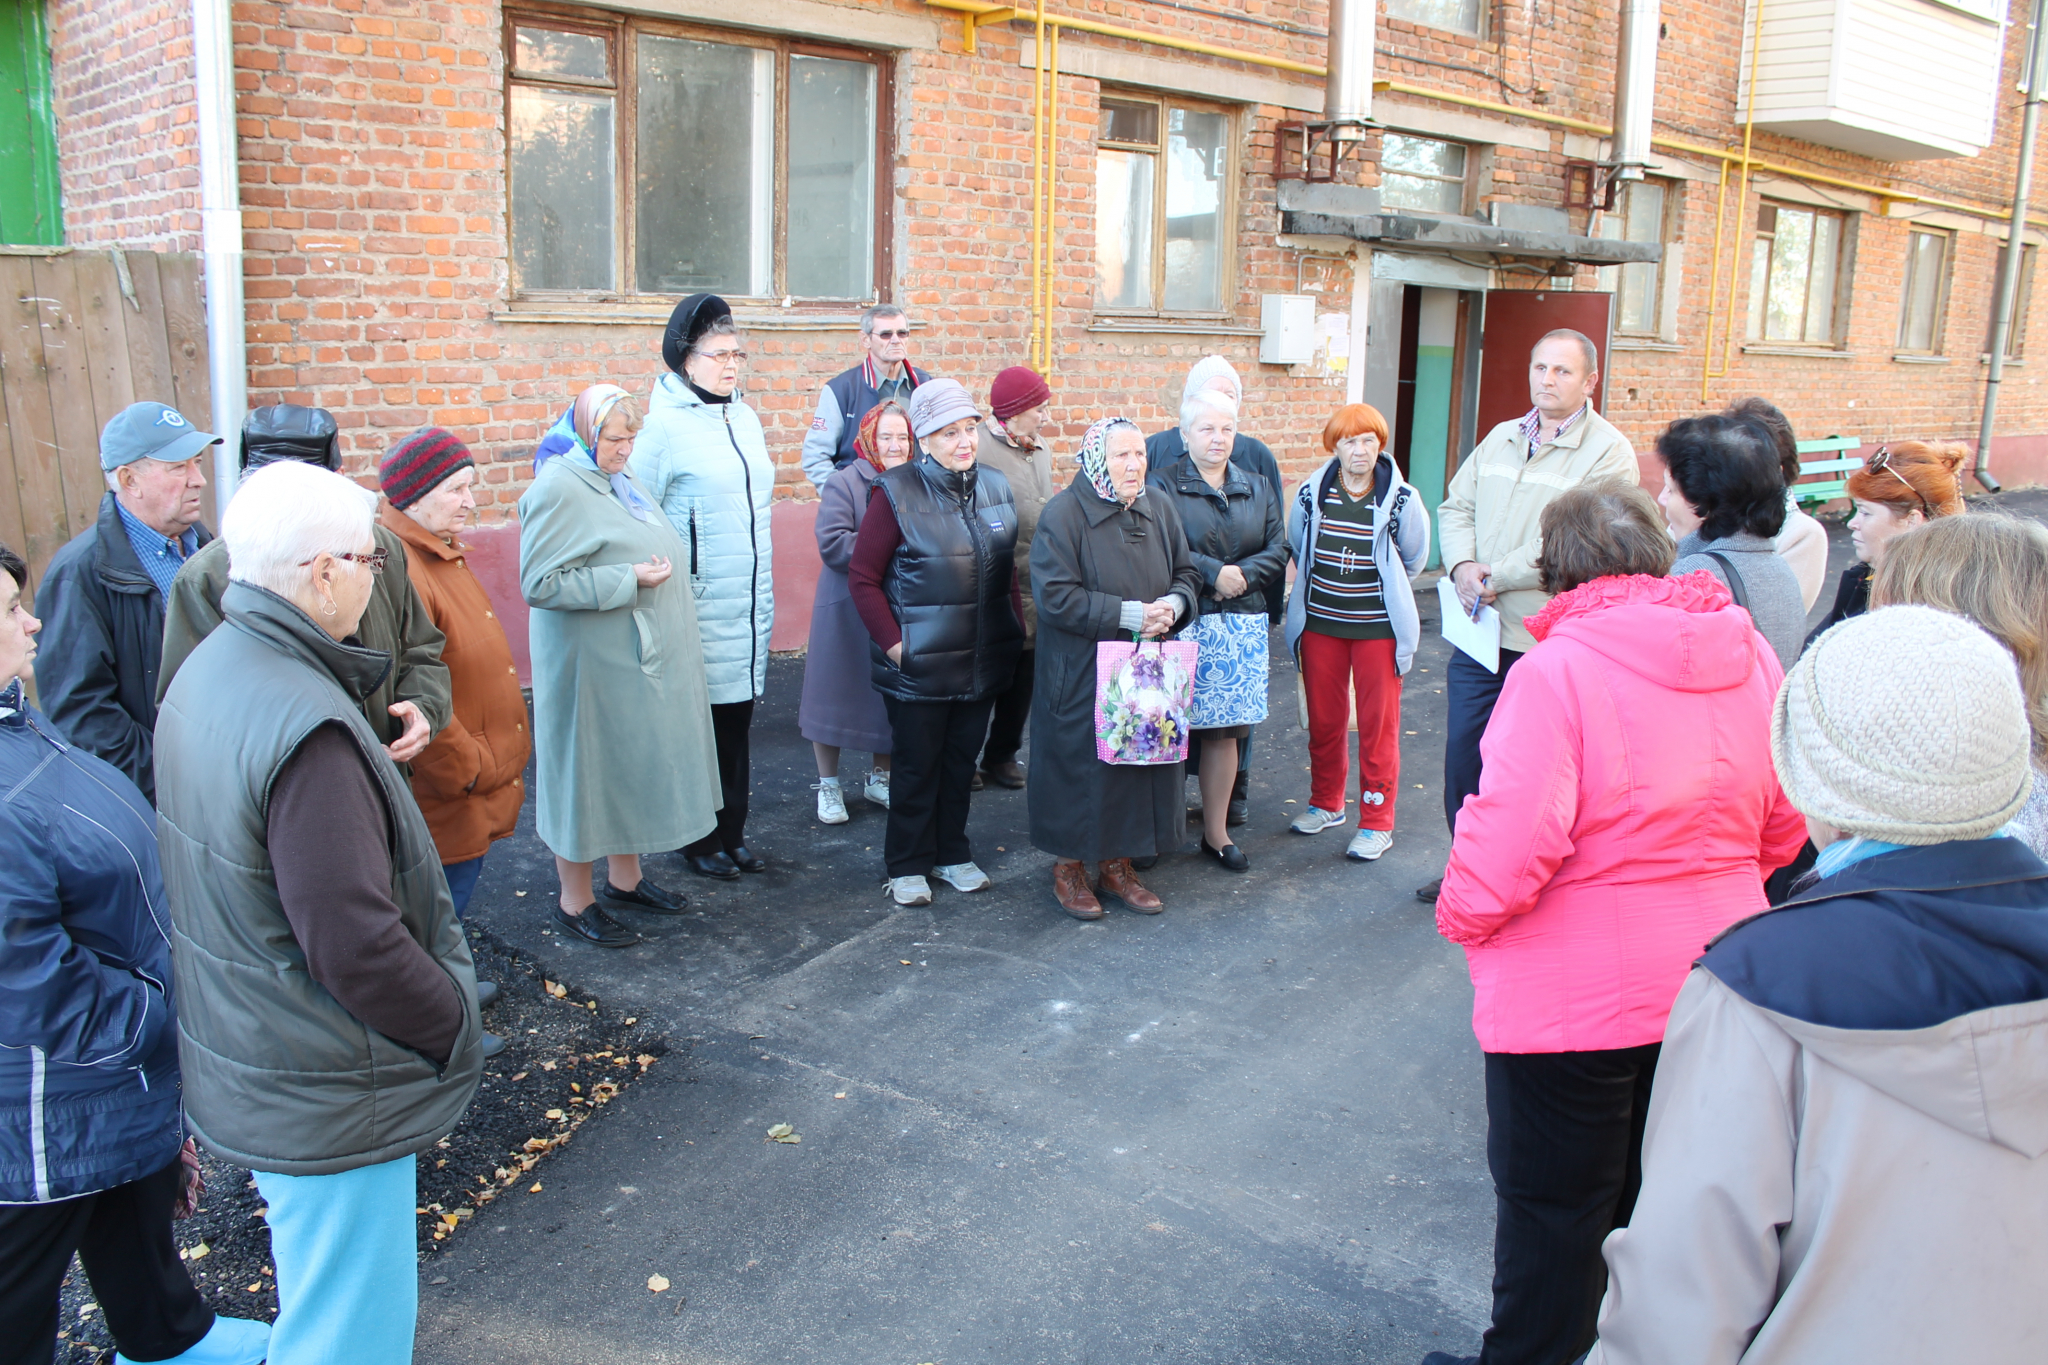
1007 774
1070 888
1120 881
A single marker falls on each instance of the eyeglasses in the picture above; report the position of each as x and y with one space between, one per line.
1881 458
734 357
373 561
902 335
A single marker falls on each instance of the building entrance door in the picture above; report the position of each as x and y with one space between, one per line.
1515 319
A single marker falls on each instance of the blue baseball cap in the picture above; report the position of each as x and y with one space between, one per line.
151 431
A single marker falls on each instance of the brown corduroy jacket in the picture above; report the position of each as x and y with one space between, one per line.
468 780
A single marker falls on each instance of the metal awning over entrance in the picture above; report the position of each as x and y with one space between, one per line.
1309 209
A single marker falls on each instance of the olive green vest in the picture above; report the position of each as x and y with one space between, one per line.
278 1076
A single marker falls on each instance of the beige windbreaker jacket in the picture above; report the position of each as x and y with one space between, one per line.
1832 1196
1493 510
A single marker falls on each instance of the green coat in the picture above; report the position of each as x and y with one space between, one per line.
624 758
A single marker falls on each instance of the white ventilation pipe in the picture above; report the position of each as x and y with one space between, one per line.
1635 88
220 216
1347 88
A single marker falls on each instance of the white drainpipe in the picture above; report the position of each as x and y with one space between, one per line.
220 213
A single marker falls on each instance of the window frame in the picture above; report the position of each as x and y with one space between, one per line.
1613 275
1938 336
1844 291
1463 180
1479 30
622 32
2022 299
1226 203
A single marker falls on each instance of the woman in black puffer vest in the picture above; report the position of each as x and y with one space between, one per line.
934 578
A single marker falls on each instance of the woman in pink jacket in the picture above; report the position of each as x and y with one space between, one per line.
1629 813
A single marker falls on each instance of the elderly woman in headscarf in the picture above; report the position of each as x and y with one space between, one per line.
840 707
623 749
1164 449
1107 563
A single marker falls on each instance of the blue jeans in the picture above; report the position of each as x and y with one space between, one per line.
1469 695
462 881
348 1288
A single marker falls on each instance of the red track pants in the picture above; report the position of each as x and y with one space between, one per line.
1335 671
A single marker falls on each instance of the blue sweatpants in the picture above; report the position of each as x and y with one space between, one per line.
348 1289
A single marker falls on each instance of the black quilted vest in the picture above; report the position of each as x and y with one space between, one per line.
949 583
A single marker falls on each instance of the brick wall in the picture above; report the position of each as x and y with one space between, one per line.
374 184
127 131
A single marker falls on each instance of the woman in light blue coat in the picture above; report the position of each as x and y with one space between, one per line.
704 458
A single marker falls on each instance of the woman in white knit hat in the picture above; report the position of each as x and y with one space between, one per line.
1847 1156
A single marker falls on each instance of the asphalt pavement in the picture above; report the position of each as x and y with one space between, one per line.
1250 1129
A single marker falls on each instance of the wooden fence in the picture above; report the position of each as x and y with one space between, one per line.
82 335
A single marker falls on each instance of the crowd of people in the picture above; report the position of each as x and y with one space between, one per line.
241 833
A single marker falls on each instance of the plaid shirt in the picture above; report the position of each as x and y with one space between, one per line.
1532 425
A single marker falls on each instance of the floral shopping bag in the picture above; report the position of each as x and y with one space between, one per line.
1143 693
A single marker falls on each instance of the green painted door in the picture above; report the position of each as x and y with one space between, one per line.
31 213
1429 438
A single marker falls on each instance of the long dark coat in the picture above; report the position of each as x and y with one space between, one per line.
1088 558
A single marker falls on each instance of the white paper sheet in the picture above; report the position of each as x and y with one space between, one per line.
1480 638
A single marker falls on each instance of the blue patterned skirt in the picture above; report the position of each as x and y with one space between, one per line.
1230 670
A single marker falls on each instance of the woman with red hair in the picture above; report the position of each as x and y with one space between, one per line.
1902 485
1359 534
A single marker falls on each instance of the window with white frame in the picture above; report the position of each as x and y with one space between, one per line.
1422 173
1796 266
2016 319
1638 216
1926 298
1461 15
650 158
1162 198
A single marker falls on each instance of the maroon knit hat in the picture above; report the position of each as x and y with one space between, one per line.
1017 389
421 463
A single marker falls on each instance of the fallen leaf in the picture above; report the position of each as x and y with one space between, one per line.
793 1137
554 1113
199 1252
632 1020
646 1059
533 1188
592 1004
840 1096
658 1283
451 1220
904 961
520 1077
519 893
555 988
780 1130
256 1287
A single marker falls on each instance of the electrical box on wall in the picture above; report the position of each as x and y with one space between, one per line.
1288 324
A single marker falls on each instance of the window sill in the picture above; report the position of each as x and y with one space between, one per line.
1984 359
620 312
1193 327
1642 344
1804 352
1913 358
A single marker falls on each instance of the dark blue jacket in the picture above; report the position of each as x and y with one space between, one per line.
88 1043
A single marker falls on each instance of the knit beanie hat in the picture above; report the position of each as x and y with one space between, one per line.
1017 389
1906 725
938 403
421 463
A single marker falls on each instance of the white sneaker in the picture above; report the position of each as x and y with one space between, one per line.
831 803
1315 820
877 789
1368 844
962 877
910 890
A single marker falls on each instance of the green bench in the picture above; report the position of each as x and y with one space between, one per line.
1826 490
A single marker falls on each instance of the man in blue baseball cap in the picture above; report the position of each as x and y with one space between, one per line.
102 598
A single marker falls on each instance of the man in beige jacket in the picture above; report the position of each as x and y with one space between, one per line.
1489 529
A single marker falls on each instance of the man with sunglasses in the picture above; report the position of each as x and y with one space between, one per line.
884 371
414 701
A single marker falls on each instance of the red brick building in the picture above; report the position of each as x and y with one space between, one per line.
461 213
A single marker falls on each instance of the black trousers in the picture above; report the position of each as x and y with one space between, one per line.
123 1238
732 725
931 770
1564 1141
1012 709
1469 696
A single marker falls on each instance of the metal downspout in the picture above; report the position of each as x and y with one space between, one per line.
1635 89
220 216
1347 88
2015 245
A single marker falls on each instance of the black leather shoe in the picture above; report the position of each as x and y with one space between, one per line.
1230 855
1238 813
657 900
1145 864
746 860
491 1043
595 926
713 865
1429 891
486 994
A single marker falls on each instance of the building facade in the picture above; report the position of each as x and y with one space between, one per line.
462 213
